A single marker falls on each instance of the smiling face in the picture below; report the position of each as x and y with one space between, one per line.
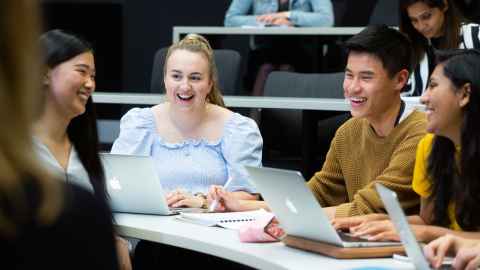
367 86
428 21
71 83
443 103
187 79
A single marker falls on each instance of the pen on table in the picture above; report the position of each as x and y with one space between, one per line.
212 206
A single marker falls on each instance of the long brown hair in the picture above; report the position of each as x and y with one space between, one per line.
452 24
20 84
198 44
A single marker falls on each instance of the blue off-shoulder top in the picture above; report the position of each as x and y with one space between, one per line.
194 165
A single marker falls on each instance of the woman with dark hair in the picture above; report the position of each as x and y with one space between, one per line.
44 223
446 174
431 25
66 132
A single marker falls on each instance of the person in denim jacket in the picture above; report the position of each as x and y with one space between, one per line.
270 12
278 52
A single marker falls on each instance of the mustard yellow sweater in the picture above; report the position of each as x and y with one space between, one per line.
358 158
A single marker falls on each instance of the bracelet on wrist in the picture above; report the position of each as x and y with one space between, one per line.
203 197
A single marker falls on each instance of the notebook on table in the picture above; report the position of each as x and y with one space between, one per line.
305 221
412 247
228 220
133 186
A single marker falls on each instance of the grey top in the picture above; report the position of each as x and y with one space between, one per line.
75 172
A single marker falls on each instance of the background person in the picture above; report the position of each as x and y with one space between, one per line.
44 223
431 25
278 53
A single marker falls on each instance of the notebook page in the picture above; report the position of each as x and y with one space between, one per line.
230 220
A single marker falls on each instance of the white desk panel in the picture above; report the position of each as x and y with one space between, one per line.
225 244
305 31
328 104
321 104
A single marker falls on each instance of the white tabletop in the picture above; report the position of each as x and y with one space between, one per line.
225 244
220 30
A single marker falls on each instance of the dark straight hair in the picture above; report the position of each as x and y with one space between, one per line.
389 45
452 23
59 46
458 182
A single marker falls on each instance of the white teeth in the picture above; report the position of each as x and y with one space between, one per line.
184 96
357 99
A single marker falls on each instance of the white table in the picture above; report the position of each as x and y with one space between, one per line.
225 244
298 31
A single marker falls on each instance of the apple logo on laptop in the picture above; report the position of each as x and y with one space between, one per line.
114 183
290 206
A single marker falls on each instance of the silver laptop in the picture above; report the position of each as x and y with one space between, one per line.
133 186
298 211
412 247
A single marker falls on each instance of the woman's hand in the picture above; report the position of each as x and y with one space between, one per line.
467 250
279 18
182 198
226 201
123 253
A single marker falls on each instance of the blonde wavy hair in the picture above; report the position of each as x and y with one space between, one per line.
198 44
20 87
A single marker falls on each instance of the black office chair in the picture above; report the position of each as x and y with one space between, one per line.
315 128
228 66
315 85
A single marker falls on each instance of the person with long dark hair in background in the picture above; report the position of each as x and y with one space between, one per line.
432 25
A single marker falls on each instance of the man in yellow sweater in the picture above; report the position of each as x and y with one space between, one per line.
378 144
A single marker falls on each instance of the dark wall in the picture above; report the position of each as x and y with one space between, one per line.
127 33
99 22
149 25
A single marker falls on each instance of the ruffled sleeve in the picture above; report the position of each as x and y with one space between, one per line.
242 145
137 130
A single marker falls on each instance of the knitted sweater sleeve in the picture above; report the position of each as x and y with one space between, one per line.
328 185
397 176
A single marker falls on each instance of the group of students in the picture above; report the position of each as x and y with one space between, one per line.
197 144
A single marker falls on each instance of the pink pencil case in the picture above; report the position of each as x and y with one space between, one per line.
254 232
